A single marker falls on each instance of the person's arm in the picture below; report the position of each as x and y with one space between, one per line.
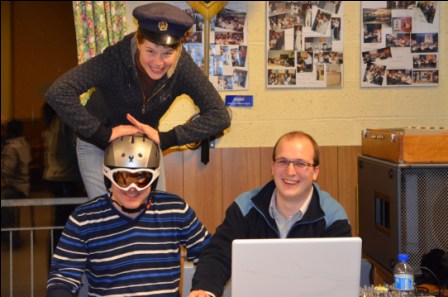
63 95
339 228
9 163
152 133
336 218
214 116
60 292
124 130
102 72
200 293
68 261
214 267
193 234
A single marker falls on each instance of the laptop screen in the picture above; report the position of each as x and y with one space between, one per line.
302 267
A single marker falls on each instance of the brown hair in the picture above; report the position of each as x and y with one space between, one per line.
299 134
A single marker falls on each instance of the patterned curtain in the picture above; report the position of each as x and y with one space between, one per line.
98 24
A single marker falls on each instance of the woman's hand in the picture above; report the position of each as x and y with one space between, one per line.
198 293
152 133
123 130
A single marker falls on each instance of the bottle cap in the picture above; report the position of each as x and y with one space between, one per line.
403 257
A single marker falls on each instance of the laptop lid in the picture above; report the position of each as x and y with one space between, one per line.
300 267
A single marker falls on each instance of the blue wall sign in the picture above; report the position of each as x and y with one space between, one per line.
240 100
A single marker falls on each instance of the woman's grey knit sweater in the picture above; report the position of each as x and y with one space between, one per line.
118 92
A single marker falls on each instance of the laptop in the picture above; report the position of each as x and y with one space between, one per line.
300 267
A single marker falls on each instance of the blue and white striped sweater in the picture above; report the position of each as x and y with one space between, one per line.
125 256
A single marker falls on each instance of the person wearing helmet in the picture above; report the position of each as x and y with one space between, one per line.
131 170
127 241
136 81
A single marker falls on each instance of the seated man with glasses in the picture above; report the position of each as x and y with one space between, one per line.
289 206
127 242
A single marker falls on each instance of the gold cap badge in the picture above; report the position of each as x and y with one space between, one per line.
163 26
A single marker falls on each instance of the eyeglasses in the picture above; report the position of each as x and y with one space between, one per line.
124 179
298 164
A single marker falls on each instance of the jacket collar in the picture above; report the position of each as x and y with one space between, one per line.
263 199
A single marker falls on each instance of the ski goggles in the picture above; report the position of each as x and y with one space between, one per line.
124 179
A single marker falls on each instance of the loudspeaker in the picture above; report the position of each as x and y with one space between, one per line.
403 208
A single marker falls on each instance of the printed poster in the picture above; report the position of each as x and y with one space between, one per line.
399 43
304 44
228 62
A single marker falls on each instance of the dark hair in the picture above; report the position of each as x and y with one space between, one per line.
299 134
48 113
14 128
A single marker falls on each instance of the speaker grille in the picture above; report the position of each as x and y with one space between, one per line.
424 211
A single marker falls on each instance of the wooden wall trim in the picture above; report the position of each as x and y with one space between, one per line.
211 188
241 172
348 182
328 175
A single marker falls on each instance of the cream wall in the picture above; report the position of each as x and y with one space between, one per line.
333 117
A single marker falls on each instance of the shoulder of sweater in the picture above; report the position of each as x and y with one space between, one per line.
332 208
123 48
90 204
185 59
244 200
324 196
166 196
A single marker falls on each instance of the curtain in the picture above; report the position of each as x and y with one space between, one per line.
98 24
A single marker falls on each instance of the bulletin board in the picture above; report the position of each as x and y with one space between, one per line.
304 44
228 62
399 43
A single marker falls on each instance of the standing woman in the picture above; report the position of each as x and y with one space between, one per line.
136 81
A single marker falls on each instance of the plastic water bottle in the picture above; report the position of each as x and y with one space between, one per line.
404 277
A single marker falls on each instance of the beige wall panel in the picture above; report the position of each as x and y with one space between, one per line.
203 186
348 182
241 172
328 176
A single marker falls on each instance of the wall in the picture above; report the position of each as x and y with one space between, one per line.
41 47
6 59
333 117
211 188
